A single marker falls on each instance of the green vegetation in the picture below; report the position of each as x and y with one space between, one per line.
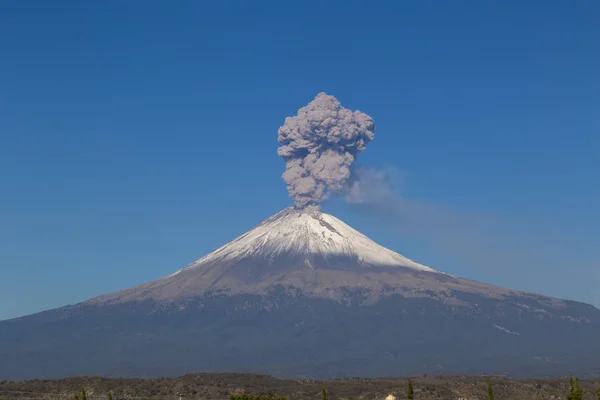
110 396
410 395
82 395
324 395
575 391
490 390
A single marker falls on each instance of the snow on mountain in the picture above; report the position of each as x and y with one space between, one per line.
297 233
311 253
306 295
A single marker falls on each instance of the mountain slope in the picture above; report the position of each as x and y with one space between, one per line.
303 294
312 252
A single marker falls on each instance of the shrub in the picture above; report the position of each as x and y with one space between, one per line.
410 395
575 391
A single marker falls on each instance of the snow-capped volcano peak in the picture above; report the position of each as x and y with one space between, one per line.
309 251
296 234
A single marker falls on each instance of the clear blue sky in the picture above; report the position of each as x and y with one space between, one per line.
137 136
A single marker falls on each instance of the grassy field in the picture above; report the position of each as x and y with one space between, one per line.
222 386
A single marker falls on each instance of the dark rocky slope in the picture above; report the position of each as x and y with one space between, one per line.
296 336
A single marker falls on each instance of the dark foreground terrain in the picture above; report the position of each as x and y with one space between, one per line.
221 386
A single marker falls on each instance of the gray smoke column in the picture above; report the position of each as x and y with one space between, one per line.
319 146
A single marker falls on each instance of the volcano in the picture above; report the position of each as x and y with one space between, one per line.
305 295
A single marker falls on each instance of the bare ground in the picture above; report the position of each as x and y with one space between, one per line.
220 386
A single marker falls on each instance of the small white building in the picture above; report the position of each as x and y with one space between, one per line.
390 397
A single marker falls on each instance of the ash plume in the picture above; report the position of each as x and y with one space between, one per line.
319 146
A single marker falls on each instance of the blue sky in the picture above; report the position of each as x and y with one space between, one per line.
137 136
